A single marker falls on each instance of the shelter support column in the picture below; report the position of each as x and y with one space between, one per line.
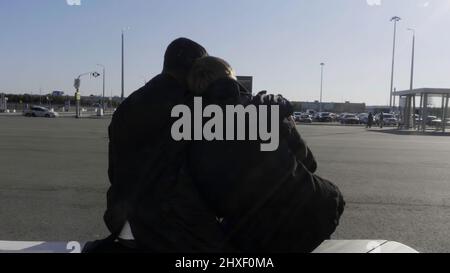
408 116
445 113
442 112
424 112
402 110
419 126
414 111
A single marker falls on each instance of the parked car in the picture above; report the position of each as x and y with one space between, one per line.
388 119
324 117
305 118
363 118
310 112
431 120
297 116
350 119
333 117
436 122
38 111
340 117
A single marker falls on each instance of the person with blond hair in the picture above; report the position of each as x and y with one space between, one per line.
270 202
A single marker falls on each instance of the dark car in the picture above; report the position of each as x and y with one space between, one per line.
324 117
363 118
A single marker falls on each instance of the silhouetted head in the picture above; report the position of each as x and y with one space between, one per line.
180 57
206 71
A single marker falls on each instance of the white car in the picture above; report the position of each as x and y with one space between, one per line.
38 111
305 118
388 119
297 116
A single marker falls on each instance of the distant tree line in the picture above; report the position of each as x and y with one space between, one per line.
24 99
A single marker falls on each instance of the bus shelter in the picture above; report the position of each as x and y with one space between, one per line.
417 101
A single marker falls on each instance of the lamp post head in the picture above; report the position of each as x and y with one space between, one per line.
125 29
396 19
322 64
412 30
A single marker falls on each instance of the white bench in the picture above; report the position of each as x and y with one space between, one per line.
363 246
40 247
333 246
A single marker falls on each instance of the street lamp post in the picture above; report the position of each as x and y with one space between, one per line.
122 96
321 86
123 67
413 57
394 19
77 85
411 86
103 94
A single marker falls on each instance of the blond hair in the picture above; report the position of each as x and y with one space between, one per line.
207 70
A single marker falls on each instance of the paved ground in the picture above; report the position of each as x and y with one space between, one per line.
53 178
397 186
53 181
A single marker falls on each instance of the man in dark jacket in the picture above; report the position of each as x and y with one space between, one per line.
370 120
272 202
150 200
381 119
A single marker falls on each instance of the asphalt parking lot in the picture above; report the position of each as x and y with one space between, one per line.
397 187
53 180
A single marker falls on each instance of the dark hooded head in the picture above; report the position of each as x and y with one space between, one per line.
180 57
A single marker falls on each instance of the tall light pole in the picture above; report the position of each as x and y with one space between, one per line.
411 86
104 82
123 63
77 85
321 86
123 67
394 19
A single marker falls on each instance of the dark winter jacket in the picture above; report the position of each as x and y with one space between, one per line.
271 201
148 187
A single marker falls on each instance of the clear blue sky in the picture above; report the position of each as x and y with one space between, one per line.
46 43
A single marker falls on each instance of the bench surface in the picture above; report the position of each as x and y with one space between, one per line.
333 246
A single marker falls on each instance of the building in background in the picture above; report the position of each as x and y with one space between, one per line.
334 107
378 109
